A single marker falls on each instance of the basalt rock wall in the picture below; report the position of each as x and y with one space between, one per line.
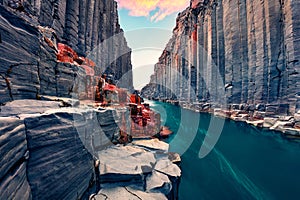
226 52
28 64
48 152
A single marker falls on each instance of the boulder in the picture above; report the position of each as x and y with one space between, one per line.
240 118
257 123
165 166
271 108
292 132
259 115
174 158
297 117
281 125
235 107
297 125
269 122
158 183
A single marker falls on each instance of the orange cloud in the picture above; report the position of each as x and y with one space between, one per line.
162 8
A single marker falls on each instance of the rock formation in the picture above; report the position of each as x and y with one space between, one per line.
50 150
239 52
29 32
40 153
47 138
145 172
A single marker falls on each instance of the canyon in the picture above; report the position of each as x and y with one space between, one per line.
236 58
55 141
246 50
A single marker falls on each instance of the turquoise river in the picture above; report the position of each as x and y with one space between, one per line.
245 163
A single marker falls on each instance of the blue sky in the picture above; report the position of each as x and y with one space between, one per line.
133 22
147 36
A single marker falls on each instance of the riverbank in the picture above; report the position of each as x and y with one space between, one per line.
267 117
69 146
245 163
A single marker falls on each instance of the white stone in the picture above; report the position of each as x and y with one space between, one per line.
269 122
297 117
167 167
158 182
153 144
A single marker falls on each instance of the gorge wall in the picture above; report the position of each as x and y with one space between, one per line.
226 52
28 65
48 151
45 148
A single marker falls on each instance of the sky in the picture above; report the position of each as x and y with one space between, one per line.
148 26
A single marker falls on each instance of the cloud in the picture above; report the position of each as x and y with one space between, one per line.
156 10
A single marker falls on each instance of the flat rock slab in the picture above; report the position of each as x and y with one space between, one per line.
269 122
257 123
125 163
154 144
136 171
18 107
121 193
165 166
158 182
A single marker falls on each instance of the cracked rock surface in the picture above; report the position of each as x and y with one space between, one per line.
137 172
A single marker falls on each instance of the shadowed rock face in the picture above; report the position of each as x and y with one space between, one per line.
48 152
242 52
42 155
28 66
59 166
13 153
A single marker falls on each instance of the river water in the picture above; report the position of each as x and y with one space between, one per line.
246 163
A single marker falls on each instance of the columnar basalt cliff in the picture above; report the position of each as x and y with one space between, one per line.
30 31
44 154
55 142
241 54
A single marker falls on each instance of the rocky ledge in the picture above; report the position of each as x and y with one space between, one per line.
51 149
141 170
